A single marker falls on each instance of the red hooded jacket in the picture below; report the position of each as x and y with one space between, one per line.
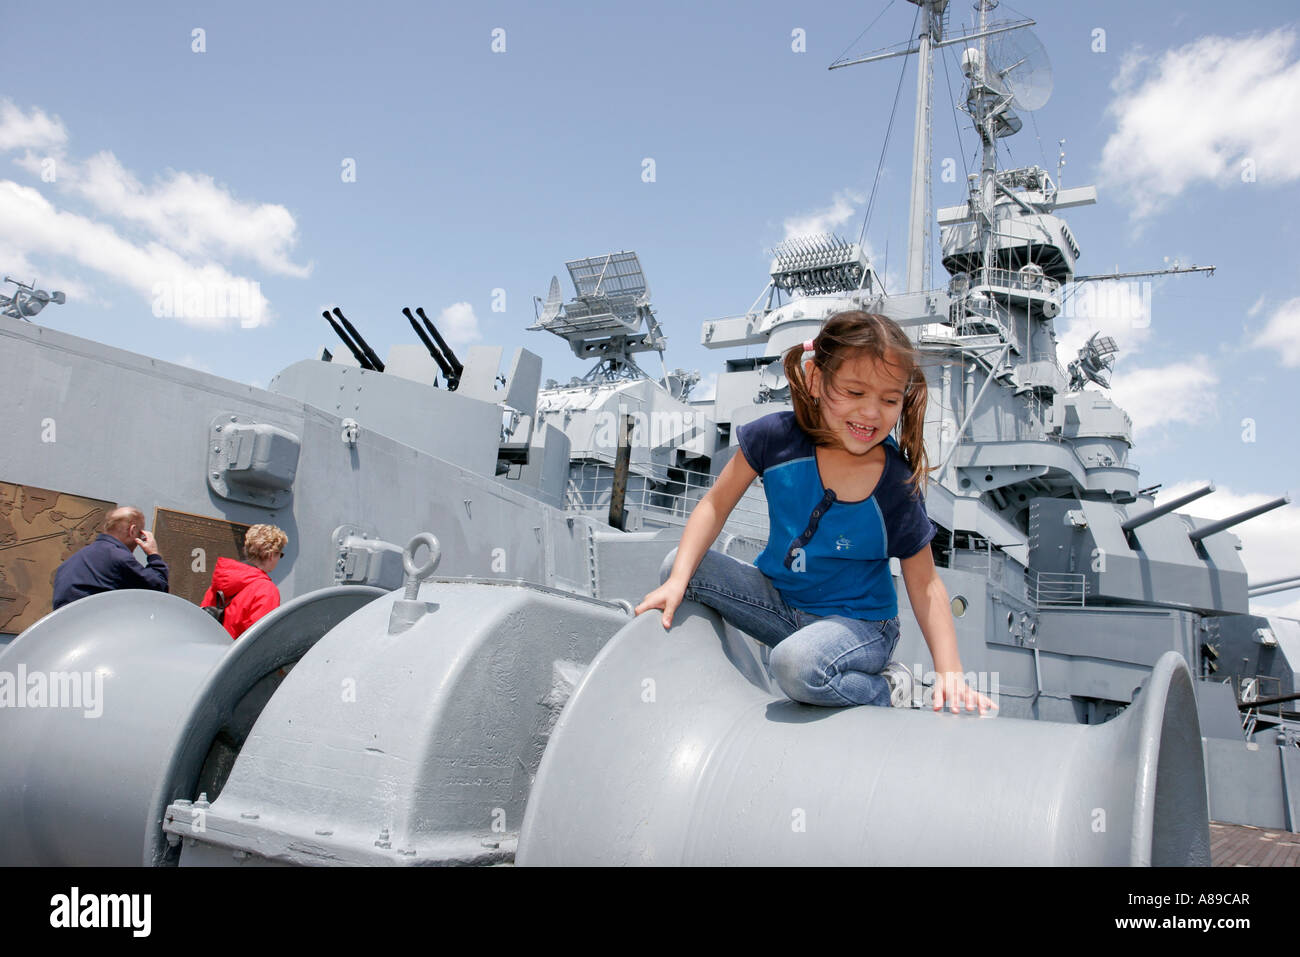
249 592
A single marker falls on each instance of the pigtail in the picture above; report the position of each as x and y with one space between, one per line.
805 408
911 427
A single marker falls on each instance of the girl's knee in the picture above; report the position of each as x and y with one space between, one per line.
794 671
707 570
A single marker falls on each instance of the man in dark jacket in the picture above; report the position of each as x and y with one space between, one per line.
107 563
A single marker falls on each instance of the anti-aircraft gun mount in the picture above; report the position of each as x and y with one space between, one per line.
516 390
441 353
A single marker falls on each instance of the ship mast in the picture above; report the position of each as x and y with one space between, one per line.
988 106
918 216
931 38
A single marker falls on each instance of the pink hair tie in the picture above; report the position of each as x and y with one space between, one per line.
808 350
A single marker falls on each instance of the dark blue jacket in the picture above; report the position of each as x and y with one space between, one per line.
105 565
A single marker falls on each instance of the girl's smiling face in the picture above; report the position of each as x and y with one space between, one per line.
863 403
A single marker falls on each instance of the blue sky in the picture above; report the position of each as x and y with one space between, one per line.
478 170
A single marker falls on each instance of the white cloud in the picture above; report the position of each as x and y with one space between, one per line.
14 263
1182 392
1198 113
29 223
706 390
1117 308
1282 333
844 205
169 241
458 324
1268 541
189 212
30 131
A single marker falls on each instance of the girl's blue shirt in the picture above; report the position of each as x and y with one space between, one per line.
826 556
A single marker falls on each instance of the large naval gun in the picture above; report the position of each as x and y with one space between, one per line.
456 678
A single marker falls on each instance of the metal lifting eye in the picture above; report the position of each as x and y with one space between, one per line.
418 573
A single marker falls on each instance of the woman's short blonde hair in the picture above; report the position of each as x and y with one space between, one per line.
264 541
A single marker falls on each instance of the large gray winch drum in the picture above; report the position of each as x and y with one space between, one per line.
675 749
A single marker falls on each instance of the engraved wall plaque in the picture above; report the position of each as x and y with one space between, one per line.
191 545
39 530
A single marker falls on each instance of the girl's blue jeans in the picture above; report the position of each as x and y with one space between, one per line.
831 661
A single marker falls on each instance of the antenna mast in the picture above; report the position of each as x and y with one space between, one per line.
931 38
918 213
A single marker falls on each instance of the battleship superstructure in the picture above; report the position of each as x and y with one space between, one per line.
499 703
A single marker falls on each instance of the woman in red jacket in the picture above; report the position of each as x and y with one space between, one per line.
247 586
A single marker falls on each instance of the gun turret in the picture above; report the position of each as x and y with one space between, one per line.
365 346
356 353
1166 508
456 366
447 371
1206 530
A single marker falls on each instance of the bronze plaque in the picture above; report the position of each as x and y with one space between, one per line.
39 530
191 545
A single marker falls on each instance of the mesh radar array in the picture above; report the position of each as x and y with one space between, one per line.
818 265
604 320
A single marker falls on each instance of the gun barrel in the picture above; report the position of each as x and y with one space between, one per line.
1206 530
1261 592
433 350
1277 699
356 353
365 346
442 343
1273 581
1152 514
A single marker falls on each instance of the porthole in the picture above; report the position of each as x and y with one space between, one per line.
958 606
1011 621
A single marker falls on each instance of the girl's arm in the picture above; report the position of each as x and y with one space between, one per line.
706 521
934 614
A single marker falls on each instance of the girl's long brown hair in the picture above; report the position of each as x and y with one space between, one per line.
848 335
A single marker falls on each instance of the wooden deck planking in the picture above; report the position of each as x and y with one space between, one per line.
1240 845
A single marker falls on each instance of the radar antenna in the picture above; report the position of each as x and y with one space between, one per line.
604 320
1018 64
27 300
1096 358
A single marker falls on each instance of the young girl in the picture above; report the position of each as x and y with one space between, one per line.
843 499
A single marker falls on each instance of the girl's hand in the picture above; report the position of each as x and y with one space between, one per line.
950 686
667 596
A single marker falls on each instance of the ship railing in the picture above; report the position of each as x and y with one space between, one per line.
1251 688
1000 570
1039 413
1015 281
987 322
1056 588
667 494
